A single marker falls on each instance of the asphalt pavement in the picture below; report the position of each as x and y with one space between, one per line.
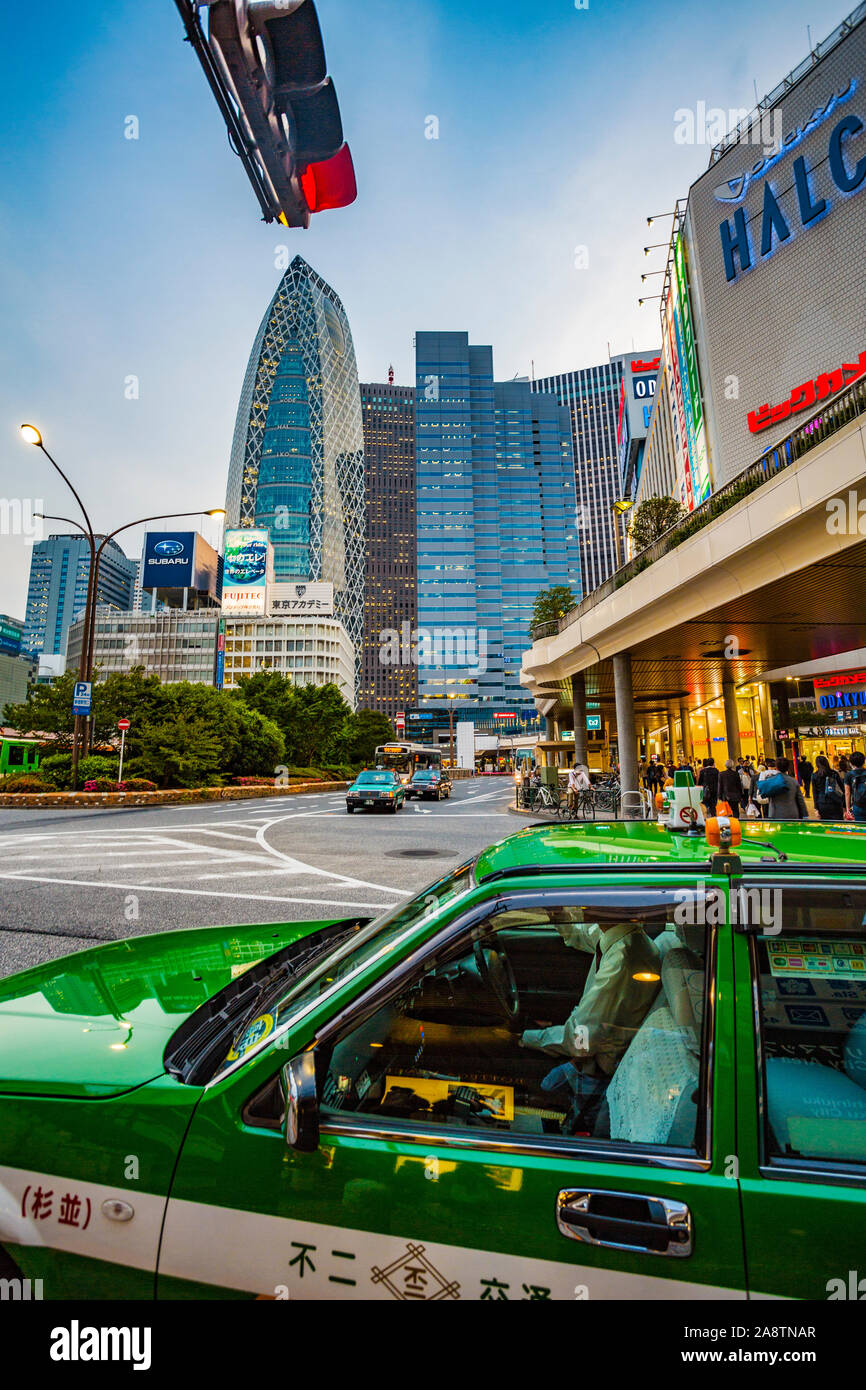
72 879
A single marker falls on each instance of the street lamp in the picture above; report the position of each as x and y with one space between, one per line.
619 509
31 435
451 699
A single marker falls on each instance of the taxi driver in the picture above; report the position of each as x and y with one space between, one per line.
620 987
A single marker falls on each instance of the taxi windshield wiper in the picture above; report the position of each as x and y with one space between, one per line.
199 1045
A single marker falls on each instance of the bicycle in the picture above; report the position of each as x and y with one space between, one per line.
607 797
583 807
543 798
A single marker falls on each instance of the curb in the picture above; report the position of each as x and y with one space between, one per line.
180 796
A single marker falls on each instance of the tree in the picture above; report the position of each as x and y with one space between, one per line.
552 604
652 518
311 718
181 750
261 746
47 710
367 730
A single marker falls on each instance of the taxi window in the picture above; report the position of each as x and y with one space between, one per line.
546 1021
375 778
289 998
812 1005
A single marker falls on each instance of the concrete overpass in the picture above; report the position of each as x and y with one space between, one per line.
769 573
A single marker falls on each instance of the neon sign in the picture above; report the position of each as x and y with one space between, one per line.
777 228
810 393
734 190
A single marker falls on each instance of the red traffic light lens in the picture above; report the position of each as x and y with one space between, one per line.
331 183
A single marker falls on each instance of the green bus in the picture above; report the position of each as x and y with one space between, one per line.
18 755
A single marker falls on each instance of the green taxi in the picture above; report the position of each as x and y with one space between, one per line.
378 789
597 1062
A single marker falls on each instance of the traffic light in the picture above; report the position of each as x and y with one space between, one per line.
265 63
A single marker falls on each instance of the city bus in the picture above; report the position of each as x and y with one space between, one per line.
406 758
18 755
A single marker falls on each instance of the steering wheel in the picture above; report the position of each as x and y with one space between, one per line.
495 970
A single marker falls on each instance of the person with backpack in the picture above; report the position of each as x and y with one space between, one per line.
828 790
855 789
784 793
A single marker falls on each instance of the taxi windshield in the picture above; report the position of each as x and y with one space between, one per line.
293 996
367 779
426 777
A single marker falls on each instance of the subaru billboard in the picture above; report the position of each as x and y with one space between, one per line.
168 560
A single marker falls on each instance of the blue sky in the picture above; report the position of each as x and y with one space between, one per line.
147 258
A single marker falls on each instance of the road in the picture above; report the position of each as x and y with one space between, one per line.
72 879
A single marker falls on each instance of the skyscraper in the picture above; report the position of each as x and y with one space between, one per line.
391 572
592 396
57 593
297 462
496 523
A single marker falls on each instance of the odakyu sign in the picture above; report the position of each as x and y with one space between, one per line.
752 236
843 699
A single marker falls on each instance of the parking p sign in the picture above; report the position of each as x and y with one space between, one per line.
81 699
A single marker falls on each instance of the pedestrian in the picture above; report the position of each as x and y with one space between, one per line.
784 794
844 766
578 781
766 768
730 786
828 790
708 780
855 789
807 772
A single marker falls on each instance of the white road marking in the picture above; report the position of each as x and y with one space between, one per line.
337 878
195 892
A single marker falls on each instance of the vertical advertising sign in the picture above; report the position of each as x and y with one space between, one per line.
681 442
248 564
695 405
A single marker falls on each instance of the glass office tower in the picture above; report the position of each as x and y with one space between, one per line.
391 580
496 523
57 592
297 463
593 397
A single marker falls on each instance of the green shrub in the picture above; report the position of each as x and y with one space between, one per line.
26 783
57 768
98 766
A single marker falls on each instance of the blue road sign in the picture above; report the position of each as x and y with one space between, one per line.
82 698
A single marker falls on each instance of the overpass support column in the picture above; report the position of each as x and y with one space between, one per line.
732 719
688 746
766 706
578 701
672 733
625 730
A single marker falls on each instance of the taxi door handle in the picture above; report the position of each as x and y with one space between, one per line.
625 1221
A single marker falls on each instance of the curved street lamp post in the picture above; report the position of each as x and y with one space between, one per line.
85 667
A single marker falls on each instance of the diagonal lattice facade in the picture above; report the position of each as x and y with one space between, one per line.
297 463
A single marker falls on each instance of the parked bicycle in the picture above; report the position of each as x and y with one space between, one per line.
581 808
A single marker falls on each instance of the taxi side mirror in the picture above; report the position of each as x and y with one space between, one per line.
302 1103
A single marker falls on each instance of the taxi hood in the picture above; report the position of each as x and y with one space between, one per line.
96 1023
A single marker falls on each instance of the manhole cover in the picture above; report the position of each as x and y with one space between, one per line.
419 853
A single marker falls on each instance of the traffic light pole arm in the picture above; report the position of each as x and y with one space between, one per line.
240 142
